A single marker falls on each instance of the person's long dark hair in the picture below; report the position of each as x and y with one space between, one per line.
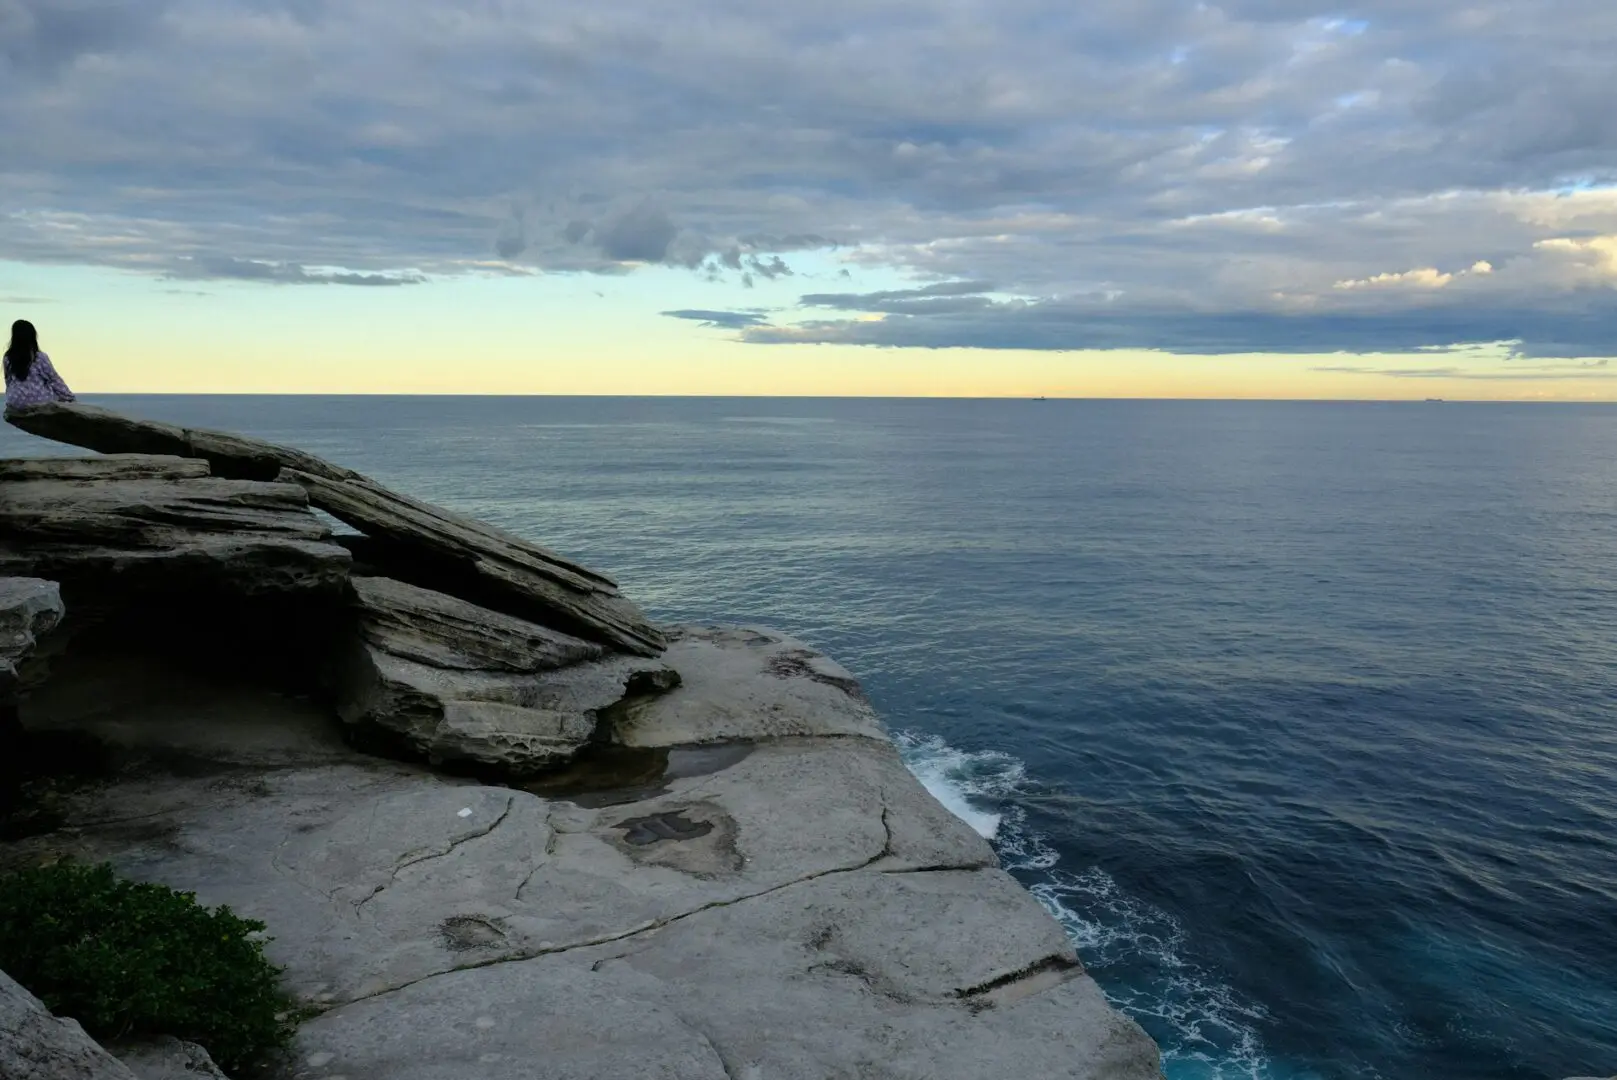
20 353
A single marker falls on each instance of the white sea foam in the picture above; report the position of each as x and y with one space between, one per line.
966 783
1211 1033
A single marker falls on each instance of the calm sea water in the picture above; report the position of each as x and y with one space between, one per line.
1301 717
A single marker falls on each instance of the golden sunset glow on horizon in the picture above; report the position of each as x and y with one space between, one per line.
118 332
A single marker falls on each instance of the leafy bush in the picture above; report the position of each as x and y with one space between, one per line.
128 959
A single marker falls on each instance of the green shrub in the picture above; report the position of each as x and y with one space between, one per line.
127 959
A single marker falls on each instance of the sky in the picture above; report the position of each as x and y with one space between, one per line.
1383 199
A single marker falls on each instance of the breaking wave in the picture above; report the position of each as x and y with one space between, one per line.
1136 951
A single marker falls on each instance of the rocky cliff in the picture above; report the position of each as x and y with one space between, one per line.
499 824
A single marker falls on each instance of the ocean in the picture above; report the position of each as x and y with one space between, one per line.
1302 718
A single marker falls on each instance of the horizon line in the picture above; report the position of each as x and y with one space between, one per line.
842 397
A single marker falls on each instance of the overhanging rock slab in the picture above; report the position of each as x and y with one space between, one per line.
461 685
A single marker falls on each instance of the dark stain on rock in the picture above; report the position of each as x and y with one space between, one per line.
616 775
650 682
251 786
670 825
797 663
464 933
163 833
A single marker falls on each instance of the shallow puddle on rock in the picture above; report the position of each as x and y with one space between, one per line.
615 775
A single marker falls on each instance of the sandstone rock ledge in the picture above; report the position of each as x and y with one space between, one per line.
708 863
797 906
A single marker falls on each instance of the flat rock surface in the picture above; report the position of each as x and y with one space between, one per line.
34 1045
749 683
136 523
801 909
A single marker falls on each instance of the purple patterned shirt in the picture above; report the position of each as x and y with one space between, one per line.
41 387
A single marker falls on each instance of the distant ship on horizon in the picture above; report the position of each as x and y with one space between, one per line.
1434 399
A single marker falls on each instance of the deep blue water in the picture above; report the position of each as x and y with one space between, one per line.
1301 717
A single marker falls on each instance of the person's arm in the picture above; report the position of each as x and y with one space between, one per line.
54 381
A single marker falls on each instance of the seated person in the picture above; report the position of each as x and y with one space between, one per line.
30 378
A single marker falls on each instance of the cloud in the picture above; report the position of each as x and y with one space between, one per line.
40 37
904 300
1538 374
1425 278
639 235
513 238
1583 327
725 320
284 273
1595 257
795 242
1267 173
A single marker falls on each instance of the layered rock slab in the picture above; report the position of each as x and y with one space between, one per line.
228 455
457 683
428 545
133 523
412 540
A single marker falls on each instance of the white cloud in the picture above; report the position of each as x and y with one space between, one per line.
1425 278
1595 256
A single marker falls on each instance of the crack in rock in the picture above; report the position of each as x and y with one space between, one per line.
648 927
724 1061
1036 978
408 862
551 834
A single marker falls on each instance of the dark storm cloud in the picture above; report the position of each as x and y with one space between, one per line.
1229 167
513 238
639 235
